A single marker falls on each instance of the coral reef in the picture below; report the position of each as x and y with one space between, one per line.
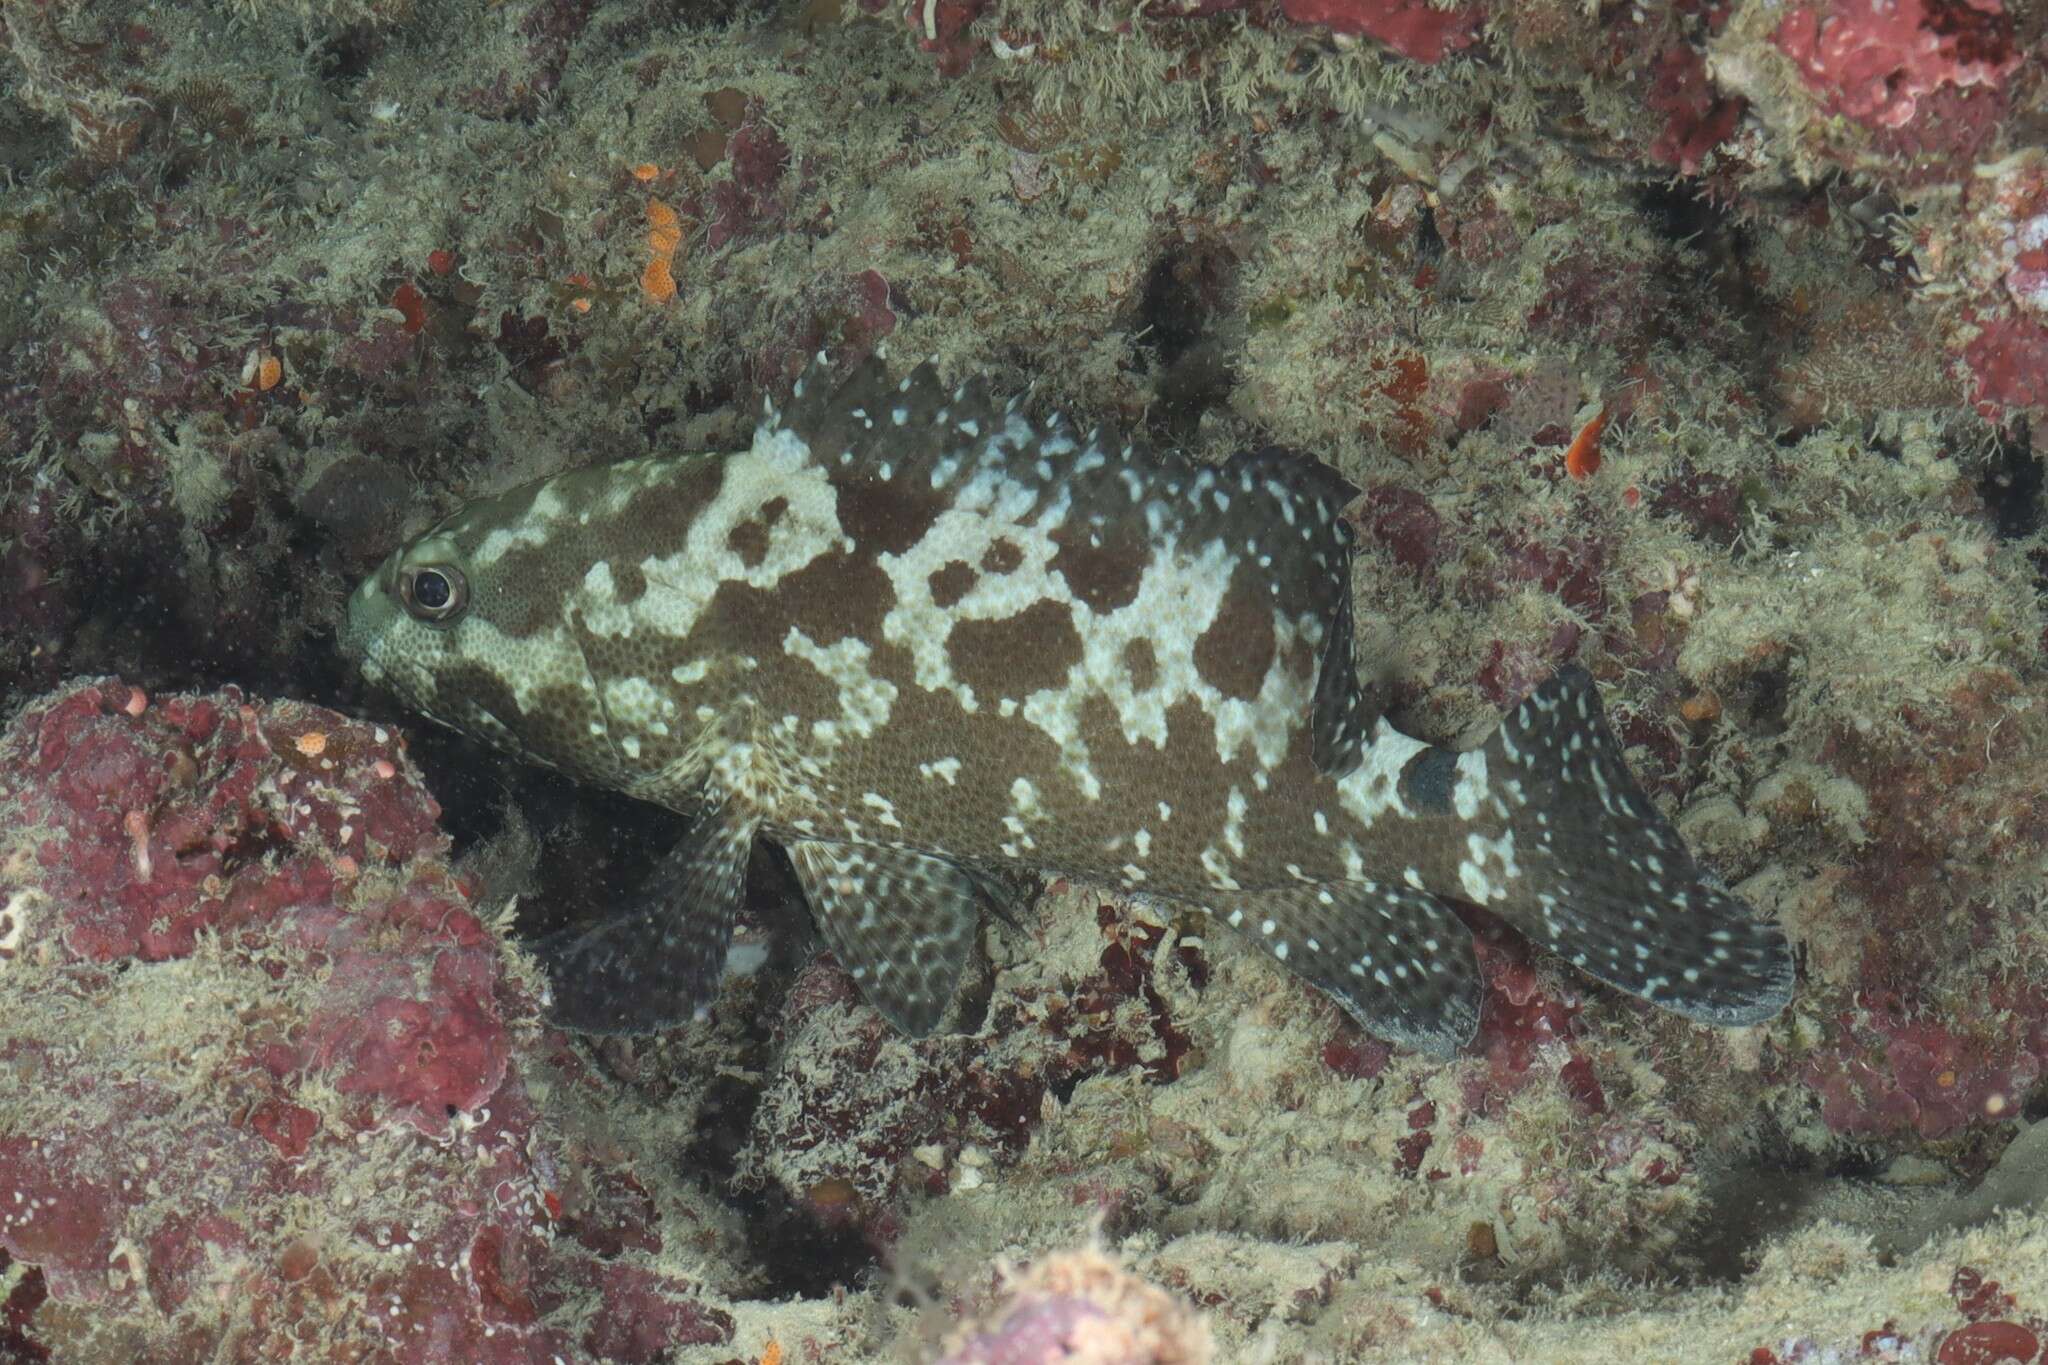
273 1087
1703 345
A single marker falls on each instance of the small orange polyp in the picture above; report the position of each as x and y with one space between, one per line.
581 303
261 370
664 235
664 230
655 281
646 171
1582 456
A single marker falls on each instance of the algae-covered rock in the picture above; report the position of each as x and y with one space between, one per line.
1699 346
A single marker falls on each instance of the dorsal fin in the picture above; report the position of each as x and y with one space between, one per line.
875 418
1269 501
1277 508
1343 712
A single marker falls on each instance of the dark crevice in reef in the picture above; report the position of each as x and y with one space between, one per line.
1181 295
345 59
1186 290
800 1257
723 1120
1429 239
2011 484
1759 700
589 851
1752 1204
1680 213
1706 281
170 621
594 847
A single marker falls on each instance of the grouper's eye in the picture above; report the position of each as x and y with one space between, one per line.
434 593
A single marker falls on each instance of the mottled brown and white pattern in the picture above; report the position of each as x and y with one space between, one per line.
915 637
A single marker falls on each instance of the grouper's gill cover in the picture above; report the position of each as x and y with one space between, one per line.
917 638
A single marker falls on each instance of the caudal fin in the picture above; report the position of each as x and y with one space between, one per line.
1601 878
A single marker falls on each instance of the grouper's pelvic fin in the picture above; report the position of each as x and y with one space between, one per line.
1602 879
902 923
656 962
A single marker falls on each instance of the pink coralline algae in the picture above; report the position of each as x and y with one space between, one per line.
1988 1343
2009 359
272 1089
144 811
850 316
441 1045
1875 60
1462 1138
751 202
1413 28
1895 1074
941 29
1521 1022
1697 118
1402 525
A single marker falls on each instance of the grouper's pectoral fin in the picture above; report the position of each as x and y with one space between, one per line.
656 963
1399 963
901 923
1343 713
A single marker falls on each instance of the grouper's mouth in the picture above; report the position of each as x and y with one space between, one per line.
370 609
372 639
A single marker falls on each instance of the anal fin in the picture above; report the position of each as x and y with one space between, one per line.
1604 880
899 921
1395 958
656 963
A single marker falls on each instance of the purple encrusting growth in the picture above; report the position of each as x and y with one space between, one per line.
916 638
